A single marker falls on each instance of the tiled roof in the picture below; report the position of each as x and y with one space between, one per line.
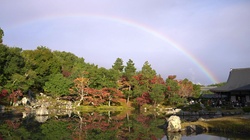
238 80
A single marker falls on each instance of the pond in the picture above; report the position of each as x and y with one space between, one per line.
107 125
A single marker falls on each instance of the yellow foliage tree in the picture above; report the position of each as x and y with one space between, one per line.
81 84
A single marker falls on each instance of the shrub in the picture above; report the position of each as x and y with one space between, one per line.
192 107
246 109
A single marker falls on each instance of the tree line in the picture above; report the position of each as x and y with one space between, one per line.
60 73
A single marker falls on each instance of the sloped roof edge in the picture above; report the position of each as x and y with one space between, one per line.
238 80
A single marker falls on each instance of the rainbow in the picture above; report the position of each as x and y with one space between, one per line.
138 26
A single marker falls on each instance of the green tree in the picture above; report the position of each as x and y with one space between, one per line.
157 93
14 62
43 63
68 62
139 85
118 65
101 77
143 80
172 89
147 71
147 74
1 35
117 70
113 76
3 55
12 68
80 66
218 84
130 70
128 80
17 81
196 91
57 85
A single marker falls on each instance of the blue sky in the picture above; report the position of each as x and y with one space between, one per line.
194 39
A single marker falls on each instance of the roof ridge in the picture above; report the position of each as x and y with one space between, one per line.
239 68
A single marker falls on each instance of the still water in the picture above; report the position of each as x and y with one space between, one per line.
15 125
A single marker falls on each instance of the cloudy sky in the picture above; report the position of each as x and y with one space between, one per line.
200 40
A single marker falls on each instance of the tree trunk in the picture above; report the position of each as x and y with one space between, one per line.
128 99
154 103
129 89
80 124
80 101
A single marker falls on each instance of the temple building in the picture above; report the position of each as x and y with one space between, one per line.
237 87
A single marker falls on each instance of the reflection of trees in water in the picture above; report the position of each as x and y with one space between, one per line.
121 126
95 125
145 127
56 130
106 125
13 126
86 126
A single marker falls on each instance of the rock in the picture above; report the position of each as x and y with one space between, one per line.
197 129
41 119
174 124
202 119
42 111
2 108
24 115
24 100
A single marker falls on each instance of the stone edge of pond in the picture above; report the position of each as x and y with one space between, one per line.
208 125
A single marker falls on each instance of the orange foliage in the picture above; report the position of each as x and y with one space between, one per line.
172 77
186 88
157 80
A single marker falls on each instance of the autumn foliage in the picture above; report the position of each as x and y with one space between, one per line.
58 74
144 99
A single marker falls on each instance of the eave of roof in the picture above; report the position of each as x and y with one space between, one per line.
238 80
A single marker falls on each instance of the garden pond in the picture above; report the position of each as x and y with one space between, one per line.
106 125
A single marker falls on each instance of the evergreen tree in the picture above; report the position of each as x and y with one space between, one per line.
67 61
128 79
146 75
57 85
118 65
43 63
1 36
12 67
130 69
3 56
147 71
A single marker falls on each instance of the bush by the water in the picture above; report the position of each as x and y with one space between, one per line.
246 109
192 107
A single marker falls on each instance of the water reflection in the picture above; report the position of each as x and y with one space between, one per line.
88 126
203 137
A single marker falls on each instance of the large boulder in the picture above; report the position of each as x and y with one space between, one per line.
42 111
174 124
41 119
